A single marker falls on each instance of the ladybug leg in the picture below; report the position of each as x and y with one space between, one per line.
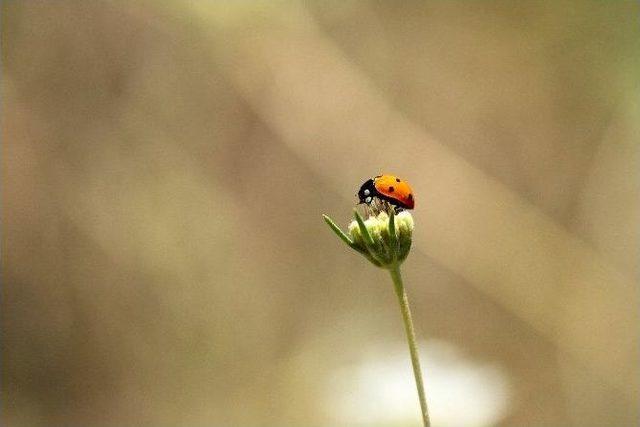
380 206
388 207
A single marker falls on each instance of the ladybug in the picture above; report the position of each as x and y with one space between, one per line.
388 188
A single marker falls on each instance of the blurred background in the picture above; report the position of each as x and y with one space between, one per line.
165 166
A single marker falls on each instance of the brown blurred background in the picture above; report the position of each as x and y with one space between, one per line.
165 166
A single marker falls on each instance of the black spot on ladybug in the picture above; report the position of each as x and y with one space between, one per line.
410 196
391 189
397 179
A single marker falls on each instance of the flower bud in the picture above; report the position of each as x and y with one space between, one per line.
404 225
385 240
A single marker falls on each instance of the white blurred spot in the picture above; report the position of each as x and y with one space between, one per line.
381 390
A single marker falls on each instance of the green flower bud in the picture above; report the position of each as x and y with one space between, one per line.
384 239
404 225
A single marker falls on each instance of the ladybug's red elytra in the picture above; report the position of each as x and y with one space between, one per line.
388 188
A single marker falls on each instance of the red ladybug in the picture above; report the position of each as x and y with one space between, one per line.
388 188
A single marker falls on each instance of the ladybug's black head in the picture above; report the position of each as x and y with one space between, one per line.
367 192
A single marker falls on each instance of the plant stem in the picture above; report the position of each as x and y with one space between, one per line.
411 338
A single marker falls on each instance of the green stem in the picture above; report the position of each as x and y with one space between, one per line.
411 338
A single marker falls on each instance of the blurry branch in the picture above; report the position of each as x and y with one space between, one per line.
325 110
